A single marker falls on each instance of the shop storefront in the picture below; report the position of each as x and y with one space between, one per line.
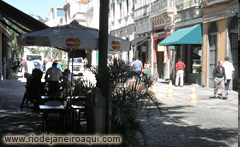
187 42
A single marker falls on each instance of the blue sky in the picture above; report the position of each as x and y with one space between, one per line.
37 7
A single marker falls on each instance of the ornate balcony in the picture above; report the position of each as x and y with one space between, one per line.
186 4
161 6
143 26
142 12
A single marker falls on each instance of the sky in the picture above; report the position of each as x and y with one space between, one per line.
36 7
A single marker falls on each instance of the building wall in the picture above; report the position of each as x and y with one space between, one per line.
53 19
205 55
220 12
222 39
121 24
76 10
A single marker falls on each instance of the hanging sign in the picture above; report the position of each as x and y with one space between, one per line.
116 45
70 42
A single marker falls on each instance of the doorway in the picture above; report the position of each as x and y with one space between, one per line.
212 52
233 52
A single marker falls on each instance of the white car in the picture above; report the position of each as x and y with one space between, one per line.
77 66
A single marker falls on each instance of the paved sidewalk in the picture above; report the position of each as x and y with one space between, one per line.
12 119
211 122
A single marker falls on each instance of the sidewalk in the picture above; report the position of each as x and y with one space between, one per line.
211 122
13 120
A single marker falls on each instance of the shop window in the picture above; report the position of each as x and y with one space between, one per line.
197 59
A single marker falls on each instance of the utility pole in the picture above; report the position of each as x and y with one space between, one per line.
103 54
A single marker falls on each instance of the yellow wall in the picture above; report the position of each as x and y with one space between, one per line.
204 56
221 47
221 39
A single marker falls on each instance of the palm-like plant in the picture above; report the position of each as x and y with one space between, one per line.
127 102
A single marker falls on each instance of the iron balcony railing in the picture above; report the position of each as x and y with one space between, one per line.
185 4
161 5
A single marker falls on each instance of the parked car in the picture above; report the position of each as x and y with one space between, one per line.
37 65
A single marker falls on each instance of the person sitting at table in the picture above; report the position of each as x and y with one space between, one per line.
67 80
53 76
35 87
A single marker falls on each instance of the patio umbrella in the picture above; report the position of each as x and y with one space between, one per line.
72 35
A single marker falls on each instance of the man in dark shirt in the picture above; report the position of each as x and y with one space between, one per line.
220 79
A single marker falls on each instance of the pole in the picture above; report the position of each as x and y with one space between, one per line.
103 84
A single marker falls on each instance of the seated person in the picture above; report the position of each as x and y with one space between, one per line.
53 76
35 87
67 80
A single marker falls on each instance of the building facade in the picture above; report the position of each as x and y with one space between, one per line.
189 13
145 23
56 17
162 17
220 38
76 10
121 23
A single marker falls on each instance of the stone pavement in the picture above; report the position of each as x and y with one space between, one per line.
12 119
212 122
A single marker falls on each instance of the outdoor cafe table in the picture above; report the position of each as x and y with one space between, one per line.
47 109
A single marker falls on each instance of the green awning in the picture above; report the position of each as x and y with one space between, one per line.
191 35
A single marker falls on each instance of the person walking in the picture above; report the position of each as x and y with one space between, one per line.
179 72
147 70
137 68
30 66
23 65
220 79
229 72
85 63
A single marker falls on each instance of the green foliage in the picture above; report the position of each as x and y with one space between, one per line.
127 103
12 42
82 86
64 64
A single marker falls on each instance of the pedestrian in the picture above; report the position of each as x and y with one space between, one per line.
85 63
137 68
58 65
30 66
179 72
23 66
147 70
110 63
53 76
67 80
220 79
229 72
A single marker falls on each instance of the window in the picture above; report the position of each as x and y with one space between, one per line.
60 13
53 13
